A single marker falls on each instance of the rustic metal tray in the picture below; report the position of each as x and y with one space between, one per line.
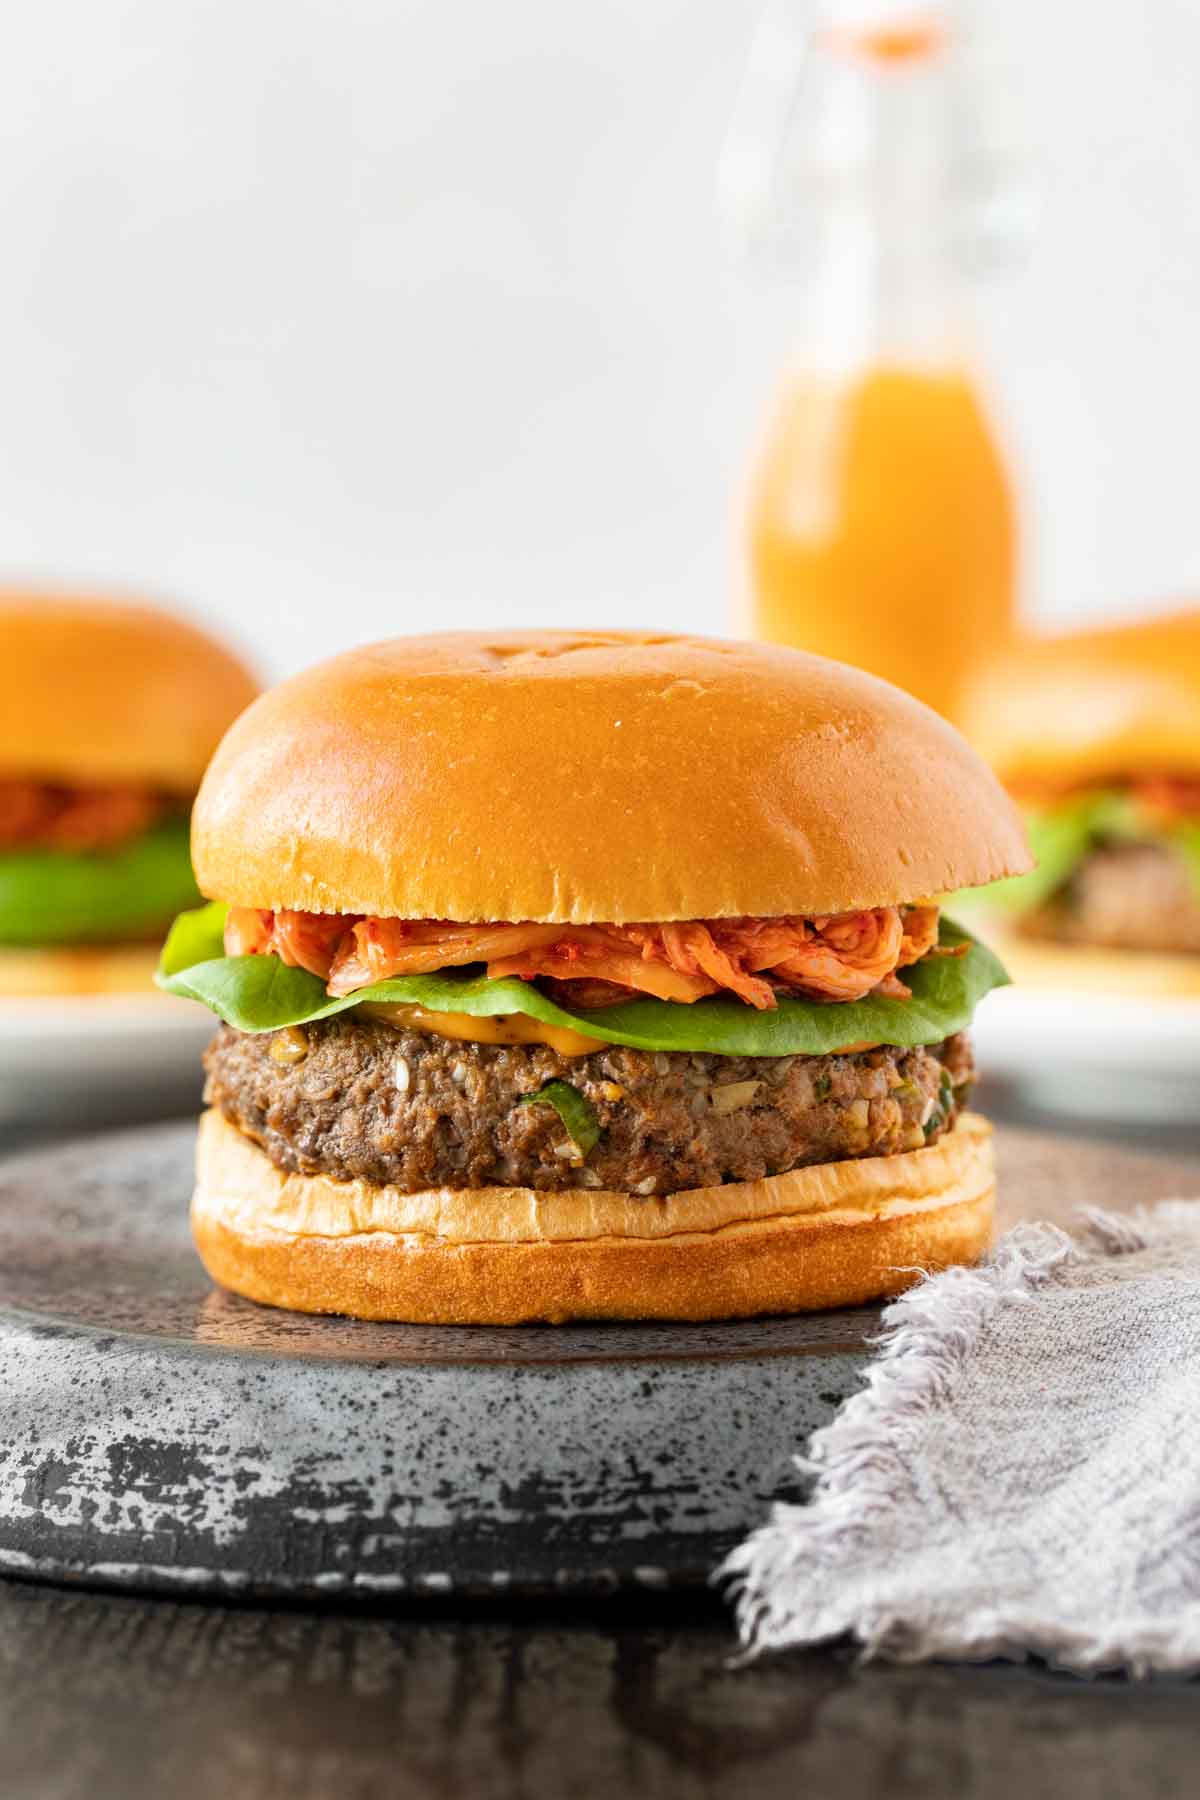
157 1433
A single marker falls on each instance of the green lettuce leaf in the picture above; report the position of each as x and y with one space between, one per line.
575 1110
258 993
1062 837
77 896
1186 839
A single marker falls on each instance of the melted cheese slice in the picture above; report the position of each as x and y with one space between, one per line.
501 1028
507 1028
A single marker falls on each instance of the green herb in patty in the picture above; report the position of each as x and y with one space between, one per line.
577 1114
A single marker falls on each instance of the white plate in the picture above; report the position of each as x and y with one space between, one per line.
1088 1033
99 1059
1094 1055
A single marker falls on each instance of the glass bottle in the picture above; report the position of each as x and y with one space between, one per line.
881 525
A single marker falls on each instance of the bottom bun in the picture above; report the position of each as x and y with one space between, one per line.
833 1234
78 969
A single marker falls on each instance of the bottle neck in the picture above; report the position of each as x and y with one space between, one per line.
882 281
875 296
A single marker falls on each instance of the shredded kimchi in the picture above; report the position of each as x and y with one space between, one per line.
40 815
1169 799
841 956
1164 800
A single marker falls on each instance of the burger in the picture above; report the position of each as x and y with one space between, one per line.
108 715
569 975
1097 736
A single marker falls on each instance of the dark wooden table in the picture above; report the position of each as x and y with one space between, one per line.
110 1699
106 1698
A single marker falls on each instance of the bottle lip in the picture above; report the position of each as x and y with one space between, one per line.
820 95
884 32
897 44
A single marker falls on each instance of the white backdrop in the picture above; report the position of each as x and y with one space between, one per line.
332 318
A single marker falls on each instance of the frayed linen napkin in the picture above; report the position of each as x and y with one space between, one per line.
1021 1473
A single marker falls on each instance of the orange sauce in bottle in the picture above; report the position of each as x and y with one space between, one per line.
882 527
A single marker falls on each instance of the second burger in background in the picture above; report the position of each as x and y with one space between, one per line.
1097 736
108 715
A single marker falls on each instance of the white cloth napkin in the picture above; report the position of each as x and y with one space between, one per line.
1020 1474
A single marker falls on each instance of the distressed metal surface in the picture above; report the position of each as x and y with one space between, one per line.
133 1462
159 1434
155 1433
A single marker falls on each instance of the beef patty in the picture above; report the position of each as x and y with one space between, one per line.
1124 897
352 1097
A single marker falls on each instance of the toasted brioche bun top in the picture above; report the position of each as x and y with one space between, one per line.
582 777
1091 705
93 692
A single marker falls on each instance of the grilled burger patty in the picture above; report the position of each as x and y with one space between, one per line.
353 1097
1124 897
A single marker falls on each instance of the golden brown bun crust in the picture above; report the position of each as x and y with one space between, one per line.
1093 704
75 970
593 776
93 692
830 1235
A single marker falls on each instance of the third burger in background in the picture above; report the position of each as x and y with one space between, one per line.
1097 736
